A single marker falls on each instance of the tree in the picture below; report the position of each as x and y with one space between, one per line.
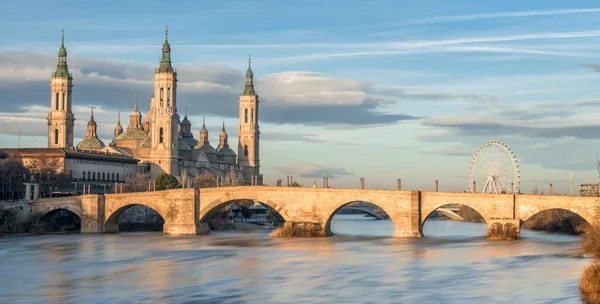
535 190
205 180
12 176
231 179
166 181
138 183
296 184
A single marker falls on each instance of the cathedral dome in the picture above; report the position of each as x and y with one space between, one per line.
136 134
118 129
90 144
226 151
186 122
183 145
207 148
92 122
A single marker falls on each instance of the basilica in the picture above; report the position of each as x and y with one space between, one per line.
158 141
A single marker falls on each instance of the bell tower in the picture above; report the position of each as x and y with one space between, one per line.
61 120
248 133
164 117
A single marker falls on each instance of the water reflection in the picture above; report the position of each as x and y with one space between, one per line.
360 264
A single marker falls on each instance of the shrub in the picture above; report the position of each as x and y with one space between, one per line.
590 284
591 238
166 181
298 230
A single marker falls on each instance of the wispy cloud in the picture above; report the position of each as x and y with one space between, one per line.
459 18
549 91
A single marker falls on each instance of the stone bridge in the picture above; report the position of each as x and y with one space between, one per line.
185 211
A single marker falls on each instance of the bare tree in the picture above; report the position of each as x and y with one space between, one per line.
535 190
138 183
205 180
231 179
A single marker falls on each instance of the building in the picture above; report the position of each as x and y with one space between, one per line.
158 142
165 143
589 189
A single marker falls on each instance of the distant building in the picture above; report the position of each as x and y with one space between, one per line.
589 189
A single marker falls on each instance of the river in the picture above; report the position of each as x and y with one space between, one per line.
361 264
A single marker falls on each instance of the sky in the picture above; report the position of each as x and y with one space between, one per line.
375 89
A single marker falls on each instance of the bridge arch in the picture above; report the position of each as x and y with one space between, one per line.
217 204
530 205
587 218
431 210
339 205
365 211
112 220
43 219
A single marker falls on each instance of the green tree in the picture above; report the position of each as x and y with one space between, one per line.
166 181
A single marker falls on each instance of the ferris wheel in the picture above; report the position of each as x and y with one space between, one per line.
494 169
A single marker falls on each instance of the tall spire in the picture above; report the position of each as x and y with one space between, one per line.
61 68
249 88
223 139
135 118
118 128
91 126
165 62
185 111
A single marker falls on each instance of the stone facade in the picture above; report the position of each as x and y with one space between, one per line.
163 142
186 210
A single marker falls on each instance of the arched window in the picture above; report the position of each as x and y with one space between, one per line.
160 136
56 136
252 115
168 95
246 116
162 92
63 102
56 101
246 150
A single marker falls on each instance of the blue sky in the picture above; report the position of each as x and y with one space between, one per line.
374 89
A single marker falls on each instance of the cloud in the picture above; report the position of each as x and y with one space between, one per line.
314 171
467 126
490 16
287 97
446 96
587 103
549 91
299 137
594 66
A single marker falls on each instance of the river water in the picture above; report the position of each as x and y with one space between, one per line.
361 264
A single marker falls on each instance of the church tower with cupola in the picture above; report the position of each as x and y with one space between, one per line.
164 120
248 132
61 120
